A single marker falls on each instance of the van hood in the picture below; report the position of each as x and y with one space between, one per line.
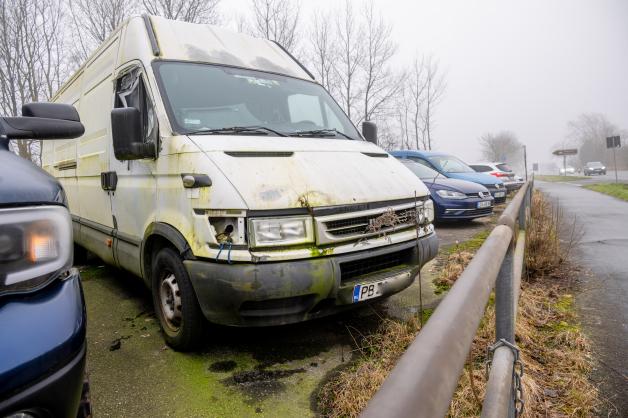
279 173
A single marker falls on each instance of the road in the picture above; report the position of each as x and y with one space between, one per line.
603 303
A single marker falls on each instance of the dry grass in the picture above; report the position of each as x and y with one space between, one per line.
348 392
556 354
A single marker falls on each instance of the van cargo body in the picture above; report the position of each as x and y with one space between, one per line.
214 167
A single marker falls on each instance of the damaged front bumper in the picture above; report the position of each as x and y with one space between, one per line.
276 293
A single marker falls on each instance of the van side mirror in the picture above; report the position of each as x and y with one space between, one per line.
369 131
43 121
126 131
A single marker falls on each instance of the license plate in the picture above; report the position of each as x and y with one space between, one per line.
485 204
366 291
500 194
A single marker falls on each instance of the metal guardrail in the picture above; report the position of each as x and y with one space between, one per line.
424 380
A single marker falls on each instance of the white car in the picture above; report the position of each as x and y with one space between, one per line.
502 171
567 170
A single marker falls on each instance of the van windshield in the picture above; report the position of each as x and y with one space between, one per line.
209 99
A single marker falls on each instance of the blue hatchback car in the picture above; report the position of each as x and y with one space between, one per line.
453 199
454 168
42 312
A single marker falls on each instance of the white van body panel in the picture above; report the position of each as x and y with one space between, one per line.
320 172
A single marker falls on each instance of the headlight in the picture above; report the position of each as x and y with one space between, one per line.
449 194
273 232
428 210
35 244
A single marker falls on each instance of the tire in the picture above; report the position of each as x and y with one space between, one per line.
176 305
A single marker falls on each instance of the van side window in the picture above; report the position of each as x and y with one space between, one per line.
305 108
131 92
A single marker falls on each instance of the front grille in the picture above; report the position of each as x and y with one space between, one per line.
369 224
479 212
352 269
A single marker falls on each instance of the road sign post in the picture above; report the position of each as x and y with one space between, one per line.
614 142
564 153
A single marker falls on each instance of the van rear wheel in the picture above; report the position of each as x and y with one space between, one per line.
175 302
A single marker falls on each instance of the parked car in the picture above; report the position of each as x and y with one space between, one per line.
594 167
453 199
452 167
502 171
232 182
567 170
42 313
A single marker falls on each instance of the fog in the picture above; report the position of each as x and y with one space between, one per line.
528 67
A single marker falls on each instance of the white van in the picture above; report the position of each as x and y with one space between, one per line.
216 168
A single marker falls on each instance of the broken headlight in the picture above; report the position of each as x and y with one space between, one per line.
274 232
35 244
428 211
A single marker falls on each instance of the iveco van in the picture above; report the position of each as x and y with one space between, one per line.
216 168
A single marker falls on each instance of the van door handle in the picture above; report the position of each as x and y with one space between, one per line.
109 180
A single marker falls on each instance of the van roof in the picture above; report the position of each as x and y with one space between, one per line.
212 44
203 43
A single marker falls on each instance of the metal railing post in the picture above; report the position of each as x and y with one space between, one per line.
504 299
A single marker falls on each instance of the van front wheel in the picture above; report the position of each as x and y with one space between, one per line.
175 302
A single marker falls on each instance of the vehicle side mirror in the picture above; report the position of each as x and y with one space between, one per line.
369 131
43 121
126 131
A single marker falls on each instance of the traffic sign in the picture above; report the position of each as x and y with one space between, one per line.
613 142
569 151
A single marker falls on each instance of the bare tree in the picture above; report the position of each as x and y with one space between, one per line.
417 86
30 59
503 146
277 20
434 90
349 60
588 132
194 11
323 51
93 21
380 84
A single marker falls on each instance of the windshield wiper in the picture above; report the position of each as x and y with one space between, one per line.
232 130
321 132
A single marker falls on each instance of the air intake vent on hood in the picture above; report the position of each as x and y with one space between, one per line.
260 153
376 154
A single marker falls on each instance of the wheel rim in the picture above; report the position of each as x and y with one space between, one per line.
170 298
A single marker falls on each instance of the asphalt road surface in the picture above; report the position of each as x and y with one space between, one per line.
603 302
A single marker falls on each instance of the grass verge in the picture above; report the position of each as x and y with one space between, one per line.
553 348
560 178
618 190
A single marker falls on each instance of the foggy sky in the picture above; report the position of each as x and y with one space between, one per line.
528 66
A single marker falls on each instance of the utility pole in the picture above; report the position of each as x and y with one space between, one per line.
525 162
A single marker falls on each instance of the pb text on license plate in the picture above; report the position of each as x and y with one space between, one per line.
485 204
366 291
500 194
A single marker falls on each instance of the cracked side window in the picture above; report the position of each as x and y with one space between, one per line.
131 92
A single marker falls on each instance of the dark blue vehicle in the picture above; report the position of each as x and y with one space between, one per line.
454 168
42 312
453 199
